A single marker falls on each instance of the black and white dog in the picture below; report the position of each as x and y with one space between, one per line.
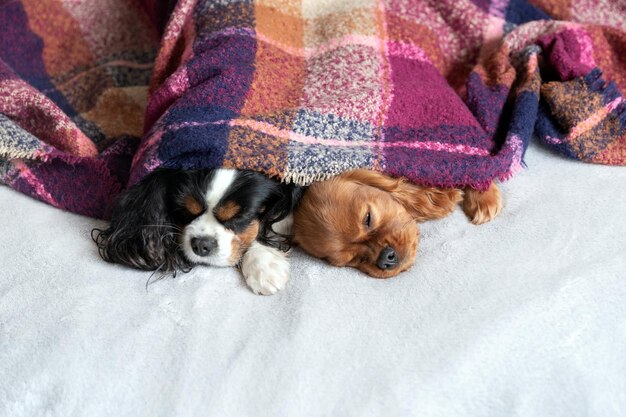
173 220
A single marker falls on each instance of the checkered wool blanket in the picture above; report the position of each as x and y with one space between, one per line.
96 94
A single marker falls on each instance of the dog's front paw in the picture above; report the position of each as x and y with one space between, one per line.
482 206
265 269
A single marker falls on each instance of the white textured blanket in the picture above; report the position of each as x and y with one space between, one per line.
525 316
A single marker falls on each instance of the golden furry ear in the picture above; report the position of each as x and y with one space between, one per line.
424 203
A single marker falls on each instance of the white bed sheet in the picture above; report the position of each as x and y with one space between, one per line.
525 316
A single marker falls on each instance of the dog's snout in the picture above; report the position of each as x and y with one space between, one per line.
388 259
203 246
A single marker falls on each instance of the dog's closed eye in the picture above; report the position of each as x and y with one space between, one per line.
367 221
193 206
226 211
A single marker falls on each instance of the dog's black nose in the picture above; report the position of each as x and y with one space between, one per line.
202 246
387 258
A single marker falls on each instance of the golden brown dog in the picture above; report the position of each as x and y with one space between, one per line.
368 220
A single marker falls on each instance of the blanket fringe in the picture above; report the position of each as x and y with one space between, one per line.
306 179
596 83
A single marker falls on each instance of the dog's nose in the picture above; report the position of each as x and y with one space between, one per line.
387 258
202 246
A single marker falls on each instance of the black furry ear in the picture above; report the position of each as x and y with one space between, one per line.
141 233
280 204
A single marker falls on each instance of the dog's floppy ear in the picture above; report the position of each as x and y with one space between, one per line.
281 203
424 203
141 233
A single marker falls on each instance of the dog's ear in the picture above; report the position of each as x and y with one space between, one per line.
424 203
281 202
141 233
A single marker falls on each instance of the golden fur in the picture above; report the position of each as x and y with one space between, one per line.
349 219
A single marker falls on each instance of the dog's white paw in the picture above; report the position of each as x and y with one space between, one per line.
265 269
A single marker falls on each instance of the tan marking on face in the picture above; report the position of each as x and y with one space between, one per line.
242 241
193 206
227 211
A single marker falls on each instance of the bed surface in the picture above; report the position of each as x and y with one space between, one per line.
525 316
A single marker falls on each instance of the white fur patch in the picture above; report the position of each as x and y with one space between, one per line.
265 269
221 182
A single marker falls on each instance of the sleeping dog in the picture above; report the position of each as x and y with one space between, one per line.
173 220
367 220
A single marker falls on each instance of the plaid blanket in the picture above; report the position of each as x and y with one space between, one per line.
96 94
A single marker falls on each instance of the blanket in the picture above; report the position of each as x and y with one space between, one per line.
95 95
